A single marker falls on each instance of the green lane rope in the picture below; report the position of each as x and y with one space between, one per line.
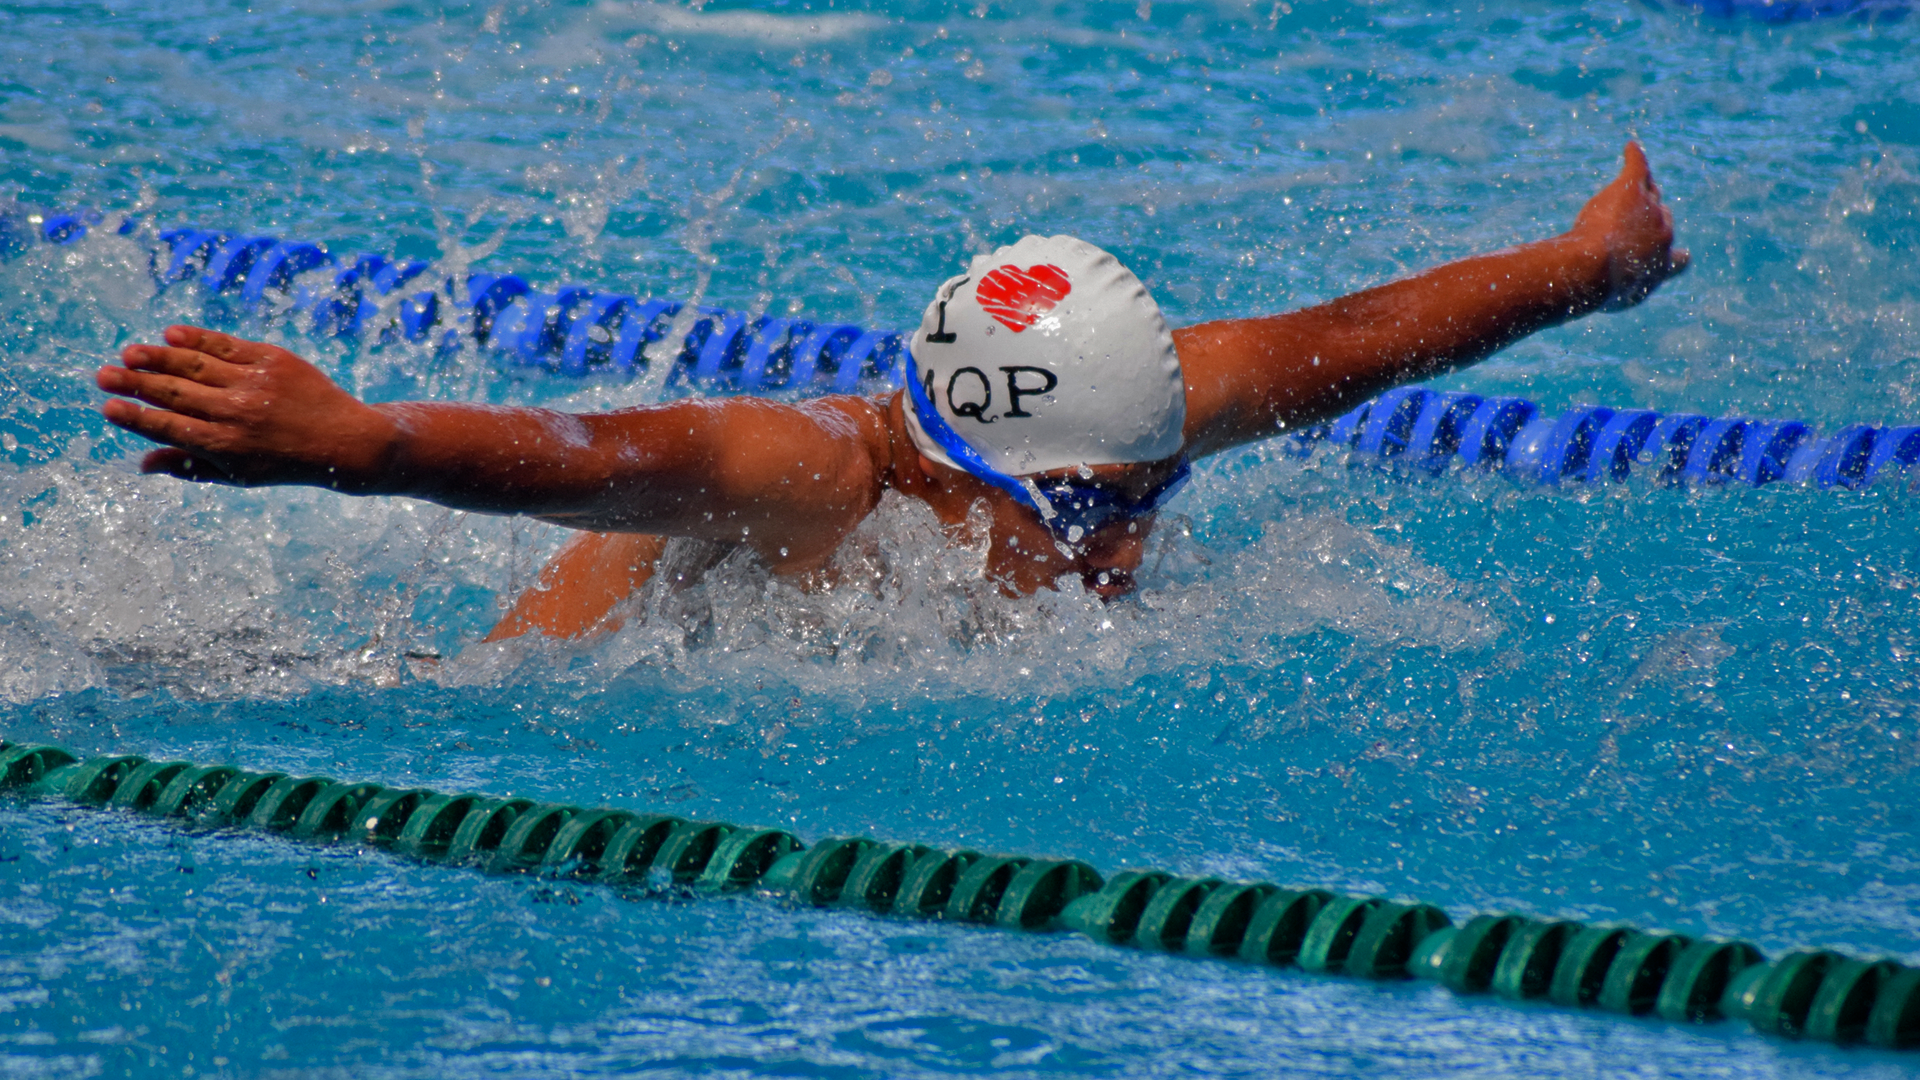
1816 995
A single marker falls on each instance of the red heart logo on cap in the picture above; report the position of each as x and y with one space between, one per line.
1017 298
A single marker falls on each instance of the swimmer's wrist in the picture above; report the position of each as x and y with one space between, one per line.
375 463
1586 269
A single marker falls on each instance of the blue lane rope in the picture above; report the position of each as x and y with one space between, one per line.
1430 430
581 331
572 330
1791 11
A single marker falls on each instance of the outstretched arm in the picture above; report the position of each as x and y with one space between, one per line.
1246 377
790 481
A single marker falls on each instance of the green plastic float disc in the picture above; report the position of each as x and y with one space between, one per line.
1638 969
1220 923
145 783
1042 890
1894 1023
1699 978
237 798
1583 966
817 874
1388 937
1330 936
743 856
1168 916
525 842
22 765
430 828
976 893
1779 1003
483 828
631 850
1473 955
191 789
332 811
1846 998
1113 913
381 819
1430 956
1525 968
1279 925
583 840
930 883
1741 987
53 782
95 781
779 876
878 874
688 848
280 805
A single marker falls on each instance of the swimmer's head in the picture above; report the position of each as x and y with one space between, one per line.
1045 355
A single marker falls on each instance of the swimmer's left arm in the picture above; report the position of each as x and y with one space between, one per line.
1248 377
788 480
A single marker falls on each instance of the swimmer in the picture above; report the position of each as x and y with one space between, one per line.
1042 385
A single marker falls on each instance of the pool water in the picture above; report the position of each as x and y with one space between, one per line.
1688 709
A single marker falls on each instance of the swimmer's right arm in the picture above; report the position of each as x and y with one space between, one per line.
790 481
580 589
1246 378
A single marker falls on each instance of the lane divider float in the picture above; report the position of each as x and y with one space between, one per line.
1817 995
570 330
1430 430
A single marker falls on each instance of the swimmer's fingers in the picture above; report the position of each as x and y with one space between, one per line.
163 426
168 392
222 346
1671 261
1637 173
181 363
1678 258
1640 280
1634 168
184 466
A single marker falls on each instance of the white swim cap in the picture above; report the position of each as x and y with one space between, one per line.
1049 354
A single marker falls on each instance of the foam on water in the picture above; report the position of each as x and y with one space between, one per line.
1691 709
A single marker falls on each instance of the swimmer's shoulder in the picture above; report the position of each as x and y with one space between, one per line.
872 421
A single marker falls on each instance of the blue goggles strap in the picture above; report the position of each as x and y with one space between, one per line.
956 448
1058 520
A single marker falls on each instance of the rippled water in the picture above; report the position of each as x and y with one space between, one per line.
1686 709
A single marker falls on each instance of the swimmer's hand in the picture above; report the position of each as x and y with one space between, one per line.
244 413
1627 225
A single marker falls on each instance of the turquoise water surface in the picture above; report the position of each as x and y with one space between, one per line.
1687 709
